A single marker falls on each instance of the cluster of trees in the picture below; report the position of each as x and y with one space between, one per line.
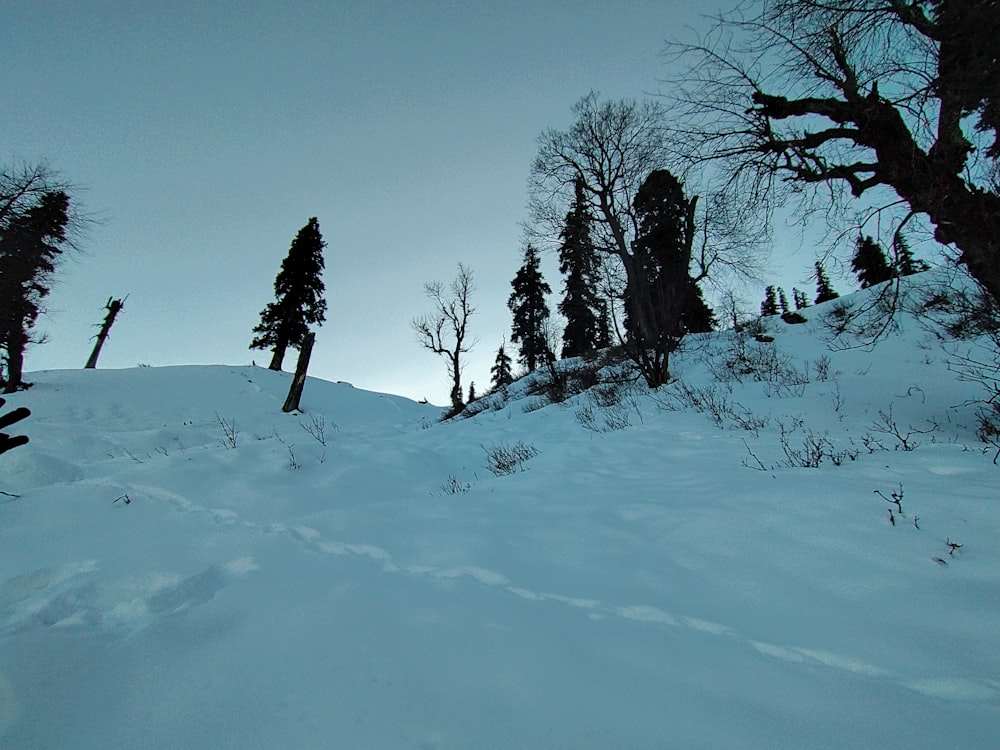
625 234
869 263
628 242
895 102
775 302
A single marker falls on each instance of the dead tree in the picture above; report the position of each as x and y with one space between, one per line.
445 329
113 306
301 367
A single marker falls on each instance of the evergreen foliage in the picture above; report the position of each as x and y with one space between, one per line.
770 304
530 311
586 319
783 301
661 298
698 317
906 264
501 370
472 392
824 289
298 291
870 264
800 299
31 239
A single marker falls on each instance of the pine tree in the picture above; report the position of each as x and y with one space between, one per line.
298 291
698 317
783 301
586 328
530 311
906 264
770 304
869 263
501 372
472 392
800 298
30 242
824 289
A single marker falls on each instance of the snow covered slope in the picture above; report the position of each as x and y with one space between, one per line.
654 577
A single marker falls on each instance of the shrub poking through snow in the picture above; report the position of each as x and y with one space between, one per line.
454 486
229 430
507 459
316 428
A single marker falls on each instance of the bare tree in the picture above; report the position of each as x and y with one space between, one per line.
873 99
445 329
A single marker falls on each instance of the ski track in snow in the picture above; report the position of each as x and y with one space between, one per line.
69 596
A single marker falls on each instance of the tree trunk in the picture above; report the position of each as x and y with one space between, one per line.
299 381
456 380
279 356
113 307
962 215
16 344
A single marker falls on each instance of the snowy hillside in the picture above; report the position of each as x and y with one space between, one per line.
660 570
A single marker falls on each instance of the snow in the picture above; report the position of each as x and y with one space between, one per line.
649 586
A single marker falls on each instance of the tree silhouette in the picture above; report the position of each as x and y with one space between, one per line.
906 264
298 291
501 371
869 263
530 311
585 313
32 237
824 289
770 304
445 330
660 292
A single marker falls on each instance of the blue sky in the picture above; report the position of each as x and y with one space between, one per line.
202 136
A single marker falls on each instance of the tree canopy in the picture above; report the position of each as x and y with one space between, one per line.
299 301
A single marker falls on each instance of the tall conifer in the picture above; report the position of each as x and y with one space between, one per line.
824 289
501 370
906 264
770 304
298 291
530 311
869 263
586 327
